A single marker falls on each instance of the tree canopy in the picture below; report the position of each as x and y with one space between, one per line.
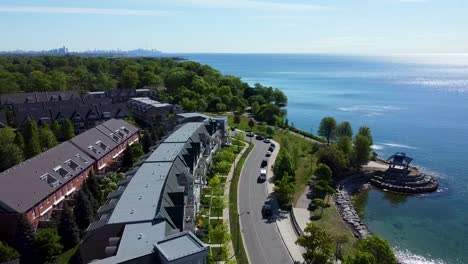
327 128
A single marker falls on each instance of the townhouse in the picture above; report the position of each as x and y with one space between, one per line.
39 185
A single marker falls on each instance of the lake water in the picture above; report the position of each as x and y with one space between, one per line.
414 104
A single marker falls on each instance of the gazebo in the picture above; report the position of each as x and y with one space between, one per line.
399 159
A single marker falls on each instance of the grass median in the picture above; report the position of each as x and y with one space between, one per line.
239 250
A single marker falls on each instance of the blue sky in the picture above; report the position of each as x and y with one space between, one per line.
293 26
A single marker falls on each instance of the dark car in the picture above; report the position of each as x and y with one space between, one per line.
268 154
267 211
271 149
233 129
250 134
267 140
259 137
264 164
272 145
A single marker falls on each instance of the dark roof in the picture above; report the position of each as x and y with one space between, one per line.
21 186
35 97
400 159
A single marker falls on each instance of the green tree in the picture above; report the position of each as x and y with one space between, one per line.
57 129
129 78
345 144
333 158
379 248
39 81
10 155
251 123
67 229
237 119
284 189
46 245
92 185
32 145
67 130
318 245
24 240
83 210
19 140
255 107
284 166
147 142
327 129
323 172
322 189
7 253
320 203
47 138
360 258
344 129
222 167
127 158
362 149
366 132
137 151
270 131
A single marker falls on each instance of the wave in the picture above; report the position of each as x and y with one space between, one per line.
406 257
377 147
396 145
371 109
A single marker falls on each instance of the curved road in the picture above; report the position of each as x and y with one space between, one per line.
262 240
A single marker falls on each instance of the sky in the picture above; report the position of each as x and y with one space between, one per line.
238 26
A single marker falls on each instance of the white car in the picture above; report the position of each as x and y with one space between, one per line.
263 175
268 154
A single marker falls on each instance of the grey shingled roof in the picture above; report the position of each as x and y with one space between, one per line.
166 152
194 115
184 133
21 187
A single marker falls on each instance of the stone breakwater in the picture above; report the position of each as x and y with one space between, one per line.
413 182
349 214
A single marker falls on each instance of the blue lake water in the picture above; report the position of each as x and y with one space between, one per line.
418 105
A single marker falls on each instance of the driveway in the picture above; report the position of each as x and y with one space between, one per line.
262 240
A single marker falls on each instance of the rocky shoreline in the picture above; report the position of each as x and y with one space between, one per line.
349 214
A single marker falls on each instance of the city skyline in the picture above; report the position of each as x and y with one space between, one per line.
243 26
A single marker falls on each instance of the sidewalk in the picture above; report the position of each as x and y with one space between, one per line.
284 222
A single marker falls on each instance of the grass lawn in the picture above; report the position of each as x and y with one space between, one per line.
66 256
332 222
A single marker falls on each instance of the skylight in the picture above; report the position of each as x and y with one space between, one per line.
102 145
125 130
81 158
72 164
93 149
63 172
50 180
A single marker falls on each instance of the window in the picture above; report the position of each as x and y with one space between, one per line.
48 199
101 145
63 172
33 214
40 205
121 134
50 180
55 198
81 158
93 149
72 164
115 137
125 130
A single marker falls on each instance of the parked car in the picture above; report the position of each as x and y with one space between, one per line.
267 140
268 154
272 145
263 175
271 149
250 134
264 163
259 137
267 212
233 128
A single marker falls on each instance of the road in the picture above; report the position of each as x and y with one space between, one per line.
262 239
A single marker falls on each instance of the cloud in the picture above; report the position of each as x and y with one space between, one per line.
247 4
79 10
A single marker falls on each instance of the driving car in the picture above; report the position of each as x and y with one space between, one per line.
267 211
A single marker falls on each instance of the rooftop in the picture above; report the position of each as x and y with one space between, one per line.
180 245
400 159
183 134
149 102
166 152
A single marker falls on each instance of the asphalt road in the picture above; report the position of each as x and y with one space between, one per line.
262 239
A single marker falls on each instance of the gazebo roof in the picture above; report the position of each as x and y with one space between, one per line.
400 159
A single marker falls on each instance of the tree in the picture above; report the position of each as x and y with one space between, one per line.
284 189
362 149
19 140
67 130
270 132
10 155
251 123
379 248
237 119
255 107
46 245
344 129
137 151
360 258
333 158
322 189
127 159
67 229
345 144
270 113
24 240
32 144
147 142
320 203
284 166
323 172
327 128
94 189
57 129
222 167
318 245
83 210
7 253
129 78
47 138
366 132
